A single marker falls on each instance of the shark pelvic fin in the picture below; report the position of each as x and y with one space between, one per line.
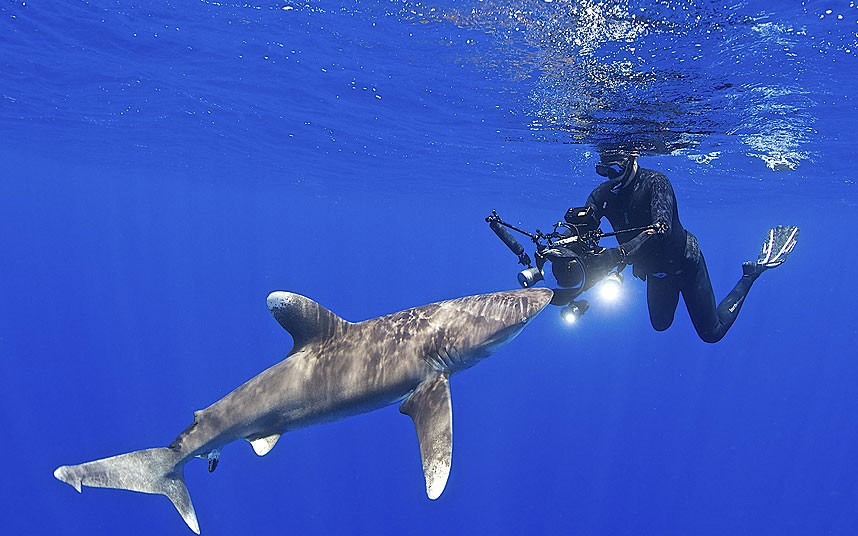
263 445
430 408
303 318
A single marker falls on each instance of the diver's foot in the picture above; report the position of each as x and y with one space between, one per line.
753 269
779 243
777 246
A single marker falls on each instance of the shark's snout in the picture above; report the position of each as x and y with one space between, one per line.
533 301
542 297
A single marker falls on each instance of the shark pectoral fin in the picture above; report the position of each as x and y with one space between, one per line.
263 445
430 408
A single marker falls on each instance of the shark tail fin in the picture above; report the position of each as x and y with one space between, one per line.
159 471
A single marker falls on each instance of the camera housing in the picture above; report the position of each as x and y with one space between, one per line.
582 218
577 260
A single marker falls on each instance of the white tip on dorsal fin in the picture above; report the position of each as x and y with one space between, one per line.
263 445
303 318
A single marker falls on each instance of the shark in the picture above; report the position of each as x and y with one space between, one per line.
335 369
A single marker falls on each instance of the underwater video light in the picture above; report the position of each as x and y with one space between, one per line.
573 311
529 277
611 287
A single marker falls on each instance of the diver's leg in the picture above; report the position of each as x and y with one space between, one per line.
662 297
700 302
712 322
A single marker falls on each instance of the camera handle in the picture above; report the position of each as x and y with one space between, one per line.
497 225
629 230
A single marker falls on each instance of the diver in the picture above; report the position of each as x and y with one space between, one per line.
667 256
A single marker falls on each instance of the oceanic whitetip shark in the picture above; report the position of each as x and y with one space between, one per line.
335 369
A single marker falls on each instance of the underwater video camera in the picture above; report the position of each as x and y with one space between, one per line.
577 260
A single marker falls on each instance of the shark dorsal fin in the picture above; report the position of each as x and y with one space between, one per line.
303 318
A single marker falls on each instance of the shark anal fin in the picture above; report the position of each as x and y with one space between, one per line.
263 445
430 408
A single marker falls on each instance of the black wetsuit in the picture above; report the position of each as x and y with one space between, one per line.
670 262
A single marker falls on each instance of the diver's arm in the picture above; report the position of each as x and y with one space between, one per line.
631 248
662 203
591 202
596 200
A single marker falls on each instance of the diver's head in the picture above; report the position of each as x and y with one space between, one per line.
617 166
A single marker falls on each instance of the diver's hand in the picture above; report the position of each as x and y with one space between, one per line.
658 227
614 256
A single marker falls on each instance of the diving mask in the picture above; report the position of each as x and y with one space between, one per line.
611 170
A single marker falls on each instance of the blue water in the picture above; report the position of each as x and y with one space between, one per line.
168 164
